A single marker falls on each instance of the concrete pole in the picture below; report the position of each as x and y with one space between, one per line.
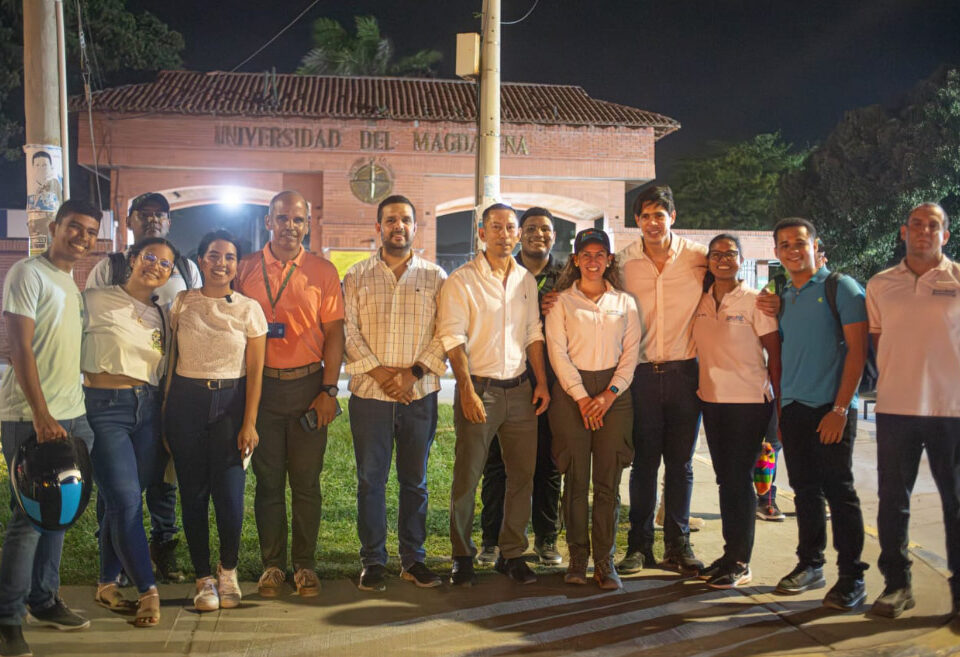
488 146
64 114
42 109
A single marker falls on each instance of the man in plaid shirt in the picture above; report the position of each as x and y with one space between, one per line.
394 361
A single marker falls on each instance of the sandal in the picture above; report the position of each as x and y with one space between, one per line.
148 609
109 596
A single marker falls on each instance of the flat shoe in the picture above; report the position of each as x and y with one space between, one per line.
109 596
148 610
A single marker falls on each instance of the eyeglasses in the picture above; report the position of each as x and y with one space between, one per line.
151 259
719 256
156 216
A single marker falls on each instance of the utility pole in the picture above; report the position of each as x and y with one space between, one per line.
488 148
41 87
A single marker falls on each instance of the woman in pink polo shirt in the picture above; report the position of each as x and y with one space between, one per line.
738 384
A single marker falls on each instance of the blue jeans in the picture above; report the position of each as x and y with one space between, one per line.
202 427
127 457
30 564
901 440
666 423
375 426
162 504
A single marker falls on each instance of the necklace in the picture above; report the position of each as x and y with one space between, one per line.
142 313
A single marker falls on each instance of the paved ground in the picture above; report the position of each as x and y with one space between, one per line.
657 613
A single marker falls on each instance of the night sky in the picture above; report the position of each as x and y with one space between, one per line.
726 69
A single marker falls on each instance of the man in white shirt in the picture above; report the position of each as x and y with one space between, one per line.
914 321
394 360
150 217
664 272
490 328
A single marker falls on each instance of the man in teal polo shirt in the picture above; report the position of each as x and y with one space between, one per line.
822 364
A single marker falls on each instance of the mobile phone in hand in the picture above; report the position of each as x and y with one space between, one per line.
310 422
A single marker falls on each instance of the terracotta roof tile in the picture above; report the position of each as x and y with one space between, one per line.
254 94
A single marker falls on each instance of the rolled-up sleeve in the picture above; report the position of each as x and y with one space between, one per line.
567 373
623 376
453 320
534 330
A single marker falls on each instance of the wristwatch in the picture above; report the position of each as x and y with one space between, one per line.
416 370
331 390
615 390
841 410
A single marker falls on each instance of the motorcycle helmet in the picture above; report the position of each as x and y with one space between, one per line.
52 481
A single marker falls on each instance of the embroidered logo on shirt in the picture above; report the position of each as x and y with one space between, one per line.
739 319
944 293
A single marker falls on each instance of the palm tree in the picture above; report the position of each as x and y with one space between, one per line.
336 52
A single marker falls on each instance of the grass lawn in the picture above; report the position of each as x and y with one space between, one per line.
338 546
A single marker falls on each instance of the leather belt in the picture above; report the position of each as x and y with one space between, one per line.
212 384
292 372
499 383
665 366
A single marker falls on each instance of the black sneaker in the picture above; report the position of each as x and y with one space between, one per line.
372 578
516 569
708 572
164 557
680 558
635 561
770 512
462 572
546 549
12 643
730 577
847 594
800 579
420 575
58 615
893 602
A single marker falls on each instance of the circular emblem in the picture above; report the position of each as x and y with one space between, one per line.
370 181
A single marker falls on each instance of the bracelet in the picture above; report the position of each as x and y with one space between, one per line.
842 410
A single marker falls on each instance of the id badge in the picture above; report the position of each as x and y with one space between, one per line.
276 329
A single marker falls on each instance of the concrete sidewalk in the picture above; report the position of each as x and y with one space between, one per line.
656 613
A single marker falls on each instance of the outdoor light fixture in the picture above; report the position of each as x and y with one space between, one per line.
231 198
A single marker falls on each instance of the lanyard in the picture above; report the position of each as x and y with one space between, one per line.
266 283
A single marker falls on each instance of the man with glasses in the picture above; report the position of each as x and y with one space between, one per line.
489 324
150 217
913 310
537 236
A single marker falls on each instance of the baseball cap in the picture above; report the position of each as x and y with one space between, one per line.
152 198
588 236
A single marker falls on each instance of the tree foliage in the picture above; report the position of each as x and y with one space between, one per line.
877 164
122 46
735 185
366 52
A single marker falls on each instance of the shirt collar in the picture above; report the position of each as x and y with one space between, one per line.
819 277
944 265
551 263
483 265
272 260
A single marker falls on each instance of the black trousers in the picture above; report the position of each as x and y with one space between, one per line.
819 471
545 517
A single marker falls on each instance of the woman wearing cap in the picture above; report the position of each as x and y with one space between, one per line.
593 338
737 386
211 412
123 355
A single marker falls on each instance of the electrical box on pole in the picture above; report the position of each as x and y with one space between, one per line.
468 55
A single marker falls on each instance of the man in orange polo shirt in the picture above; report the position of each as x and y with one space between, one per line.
301 297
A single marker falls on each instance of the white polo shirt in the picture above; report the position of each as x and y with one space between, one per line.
733 369
918 319
495 324
588 336
666 299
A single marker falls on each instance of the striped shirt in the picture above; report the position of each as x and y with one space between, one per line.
391 322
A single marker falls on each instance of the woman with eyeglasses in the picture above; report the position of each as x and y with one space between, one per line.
211 412
123 356
593 338
738 383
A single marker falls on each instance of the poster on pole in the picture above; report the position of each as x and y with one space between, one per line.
44 191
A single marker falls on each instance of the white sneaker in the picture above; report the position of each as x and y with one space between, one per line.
207 598
229 587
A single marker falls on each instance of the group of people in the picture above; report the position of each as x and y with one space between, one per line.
568 374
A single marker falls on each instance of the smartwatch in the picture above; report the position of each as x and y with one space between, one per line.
416 370
615 390
331 390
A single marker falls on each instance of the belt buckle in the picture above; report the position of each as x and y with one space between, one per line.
213 384
658 368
